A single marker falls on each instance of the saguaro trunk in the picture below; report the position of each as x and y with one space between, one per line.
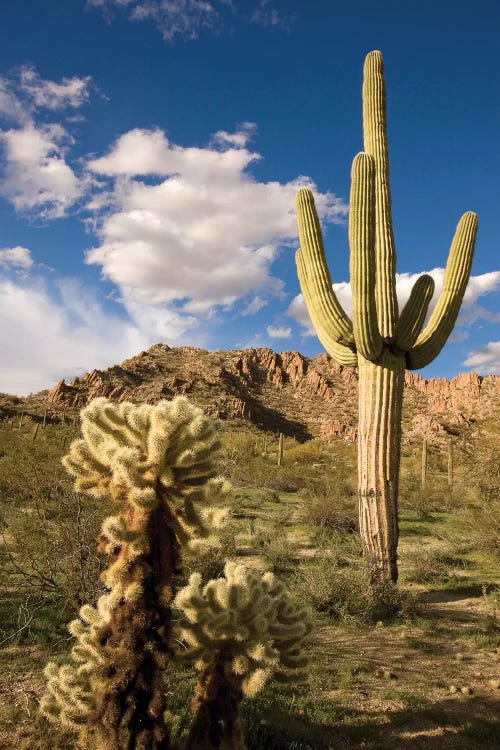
379 440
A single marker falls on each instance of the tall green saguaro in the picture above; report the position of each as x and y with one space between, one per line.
381 341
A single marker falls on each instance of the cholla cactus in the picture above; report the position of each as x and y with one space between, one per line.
157 464
239 630
379 340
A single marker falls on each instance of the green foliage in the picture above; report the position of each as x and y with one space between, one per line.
424 499
342 590
338 510
431 566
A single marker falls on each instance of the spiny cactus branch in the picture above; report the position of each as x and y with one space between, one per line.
375 143
362 264
435 334
343 354
318 275
156 463
413 315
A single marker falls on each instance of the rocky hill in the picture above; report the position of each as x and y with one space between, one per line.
287 392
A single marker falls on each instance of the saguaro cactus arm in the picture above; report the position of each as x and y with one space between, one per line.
375 143
413 315
330 321
362 264
434 336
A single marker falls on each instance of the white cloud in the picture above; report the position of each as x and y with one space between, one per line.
11 108
43 339
486 359
254 306
69 92
267 15
172 17
206 235
239 139
470 311
187 18
279 332
36 175
17 256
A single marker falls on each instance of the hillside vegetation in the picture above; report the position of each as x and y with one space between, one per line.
415 667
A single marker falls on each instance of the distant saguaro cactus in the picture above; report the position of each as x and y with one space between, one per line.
239 630
156 464
379 341
424 464
450 466
280 449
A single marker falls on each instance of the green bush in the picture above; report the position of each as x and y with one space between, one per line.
341 590
337 511
431 566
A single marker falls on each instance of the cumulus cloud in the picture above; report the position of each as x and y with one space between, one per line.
239 139
69 92
49 334
279 332
18 257
37 177
254 306
470 312
486 359
205 235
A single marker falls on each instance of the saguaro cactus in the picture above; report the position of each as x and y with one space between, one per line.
239 630
423 481
379 340
156 463
450 465
280 449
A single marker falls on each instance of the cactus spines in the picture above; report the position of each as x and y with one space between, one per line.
239 630
156 464
381 341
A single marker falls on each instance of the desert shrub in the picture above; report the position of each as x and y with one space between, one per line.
310 465
342 591
483 469
424 501
271 539
491 608
48 558
432 566
237 458
479 524
48 563
337 511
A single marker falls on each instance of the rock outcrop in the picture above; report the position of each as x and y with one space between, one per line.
284 392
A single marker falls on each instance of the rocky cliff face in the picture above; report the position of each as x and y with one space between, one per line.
286 392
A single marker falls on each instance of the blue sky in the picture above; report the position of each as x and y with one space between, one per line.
150 151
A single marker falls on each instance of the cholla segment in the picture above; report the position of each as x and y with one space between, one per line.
156 464
239 631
